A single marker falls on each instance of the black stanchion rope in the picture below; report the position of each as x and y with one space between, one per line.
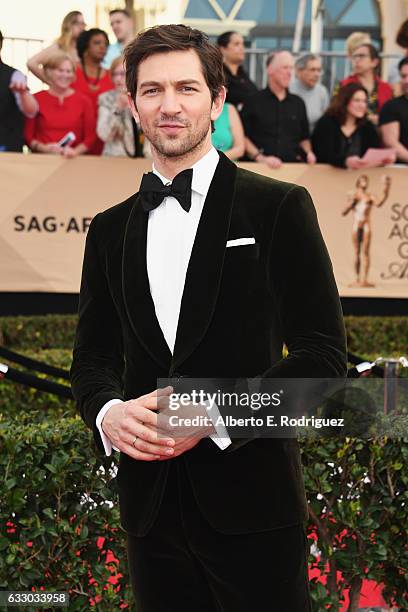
64 391
37 383
33 364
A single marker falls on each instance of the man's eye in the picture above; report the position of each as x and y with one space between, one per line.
150 91
187 88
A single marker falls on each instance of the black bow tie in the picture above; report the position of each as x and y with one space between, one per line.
153 191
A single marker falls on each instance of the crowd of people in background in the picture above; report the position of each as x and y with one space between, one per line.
84 110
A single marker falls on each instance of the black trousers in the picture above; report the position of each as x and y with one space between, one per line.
184 565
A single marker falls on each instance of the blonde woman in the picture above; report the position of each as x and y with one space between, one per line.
72 26
116 127
65 122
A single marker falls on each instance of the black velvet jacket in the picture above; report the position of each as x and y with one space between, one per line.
239 305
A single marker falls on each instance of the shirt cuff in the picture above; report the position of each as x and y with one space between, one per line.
107 444
220 437
19 77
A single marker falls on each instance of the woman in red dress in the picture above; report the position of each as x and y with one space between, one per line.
91 78
61 110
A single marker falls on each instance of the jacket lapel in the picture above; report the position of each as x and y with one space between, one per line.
206 262
136 290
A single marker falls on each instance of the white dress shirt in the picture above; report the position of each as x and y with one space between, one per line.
171 232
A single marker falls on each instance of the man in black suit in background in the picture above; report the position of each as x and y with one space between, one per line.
204 273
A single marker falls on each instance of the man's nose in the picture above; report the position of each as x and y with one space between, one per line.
170 103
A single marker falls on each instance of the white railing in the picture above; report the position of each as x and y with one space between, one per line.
16 51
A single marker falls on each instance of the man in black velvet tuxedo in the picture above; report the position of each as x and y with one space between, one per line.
204 273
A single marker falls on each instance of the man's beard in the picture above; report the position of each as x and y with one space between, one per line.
177 147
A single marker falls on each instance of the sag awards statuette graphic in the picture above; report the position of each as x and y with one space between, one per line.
361 203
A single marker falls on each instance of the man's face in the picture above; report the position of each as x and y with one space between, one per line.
361 60
173 102
404 79
121 26
280 70
310 75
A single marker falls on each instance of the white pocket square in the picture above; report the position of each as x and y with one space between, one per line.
240 242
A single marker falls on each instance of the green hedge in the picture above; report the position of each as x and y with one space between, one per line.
40 332
55 504
374 335
26 402
358 503
366 335
55 500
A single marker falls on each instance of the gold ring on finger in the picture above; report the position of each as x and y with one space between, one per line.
134 442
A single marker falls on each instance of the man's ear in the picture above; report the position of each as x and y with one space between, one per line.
218 103
133 109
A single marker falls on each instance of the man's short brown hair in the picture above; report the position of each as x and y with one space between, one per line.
174 37
124 12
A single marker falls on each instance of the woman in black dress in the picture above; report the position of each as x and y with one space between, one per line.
343 134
